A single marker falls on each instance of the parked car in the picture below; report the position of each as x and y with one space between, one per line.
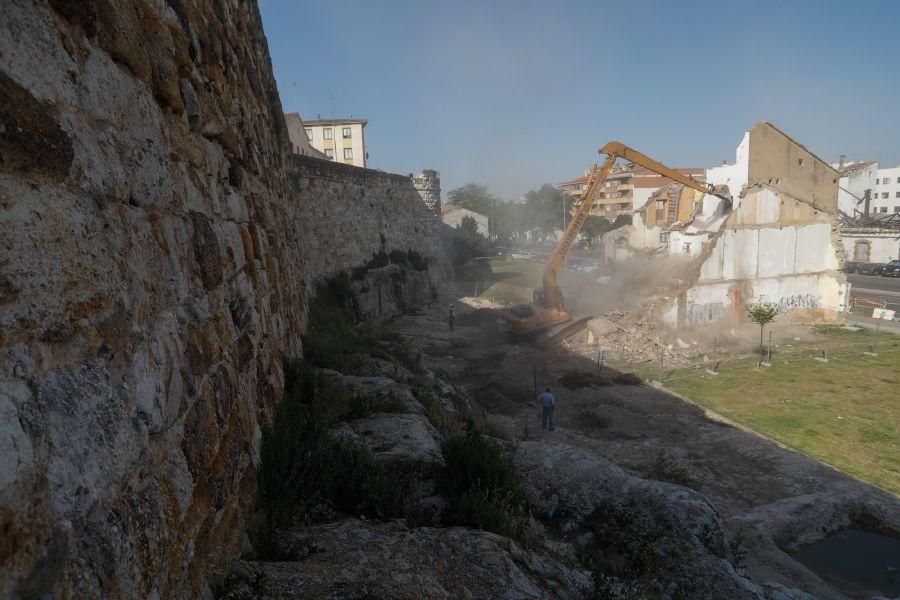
892 269
870 268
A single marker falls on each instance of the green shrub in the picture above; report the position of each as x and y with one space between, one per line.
378 260
481 487
417 261
303 463
330 341
398 257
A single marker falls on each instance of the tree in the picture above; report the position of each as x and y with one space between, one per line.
593 228
474 196
762 313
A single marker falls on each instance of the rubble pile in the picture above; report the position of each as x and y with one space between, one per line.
631 338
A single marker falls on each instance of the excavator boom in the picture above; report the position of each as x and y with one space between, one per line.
550 309
613 150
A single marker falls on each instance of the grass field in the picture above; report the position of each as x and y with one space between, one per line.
845 412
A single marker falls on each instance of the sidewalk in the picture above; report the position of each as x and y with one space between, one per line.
869 323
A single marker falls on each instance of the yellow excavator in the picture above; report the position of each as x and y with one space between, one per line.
549 309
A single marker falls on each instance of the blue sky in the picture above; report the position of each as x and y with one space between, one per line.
515 94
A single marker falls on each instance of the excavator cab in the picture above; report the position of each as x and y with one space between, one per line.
540 298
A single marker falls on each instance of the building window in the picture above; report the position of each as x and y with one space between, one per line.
897 209
348 153
327 133
898 180
309 134
664 237
884 209
799 162
346 133
329 152
884 195
861 251
898 195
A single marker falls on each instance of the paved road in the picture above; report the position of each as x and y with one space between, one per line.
875 286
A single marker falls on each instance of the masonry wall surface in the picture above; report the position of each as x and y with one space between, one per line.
149 291
783 164
347 214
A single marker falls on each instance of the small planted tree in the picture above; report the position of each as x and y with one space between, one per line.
762 313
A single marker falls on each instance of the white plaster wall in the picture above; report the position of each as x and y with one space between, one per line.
454 217
640 195
856 184
777 251
641 235
740 253
694 243
811 240
884 247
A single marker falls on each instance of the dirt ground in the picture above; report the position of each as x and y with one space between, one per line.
645 430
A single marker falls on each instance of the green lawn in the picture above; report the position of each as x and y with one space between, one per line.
845 412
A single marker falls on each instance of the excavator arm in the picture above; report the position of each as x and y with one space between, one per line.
613 151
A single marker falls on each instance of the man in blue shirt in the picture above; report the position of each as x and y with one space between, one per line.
548 403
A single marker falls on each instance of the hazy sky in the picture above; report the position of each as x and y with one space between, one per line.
515 94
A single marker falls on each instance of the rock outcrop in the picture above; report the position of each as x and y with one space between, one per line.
361 559
670 535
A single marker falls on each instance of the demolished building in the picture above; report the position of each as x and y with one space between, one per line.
777 240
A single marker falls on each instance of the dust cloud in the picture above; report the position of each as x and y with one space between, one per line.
630 286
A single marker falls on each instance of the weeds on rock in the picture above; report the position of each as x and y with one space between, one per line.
737 551
303 463
668 468
482 488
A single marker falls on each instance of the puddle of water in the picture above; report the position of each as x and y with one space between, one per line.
857 561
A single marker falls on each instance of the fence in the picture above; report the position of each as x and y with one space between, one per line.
834 345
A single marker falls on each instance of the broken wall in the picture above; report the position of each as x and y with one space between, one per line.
787 166
779 242
764 252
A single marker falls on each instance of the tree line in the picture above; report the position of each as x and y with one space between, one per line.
537 219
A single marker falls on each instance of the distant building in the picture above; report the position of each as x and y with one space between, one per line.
856 185
453 215
627 188
297 134
340 140
886 195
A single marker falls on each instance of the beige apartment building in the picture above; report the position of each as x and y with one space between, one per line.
340 140
627 187
299 139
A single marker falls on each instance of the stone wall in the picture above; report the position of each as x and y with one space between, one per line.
152 257
347 214
149 291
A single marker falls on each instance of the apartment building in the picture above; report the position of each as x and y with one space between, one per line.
627 188
612 199
341 140
886 195
299 139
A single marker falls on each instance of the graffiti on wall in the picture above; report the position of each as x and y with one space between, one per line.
699 314
799 301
